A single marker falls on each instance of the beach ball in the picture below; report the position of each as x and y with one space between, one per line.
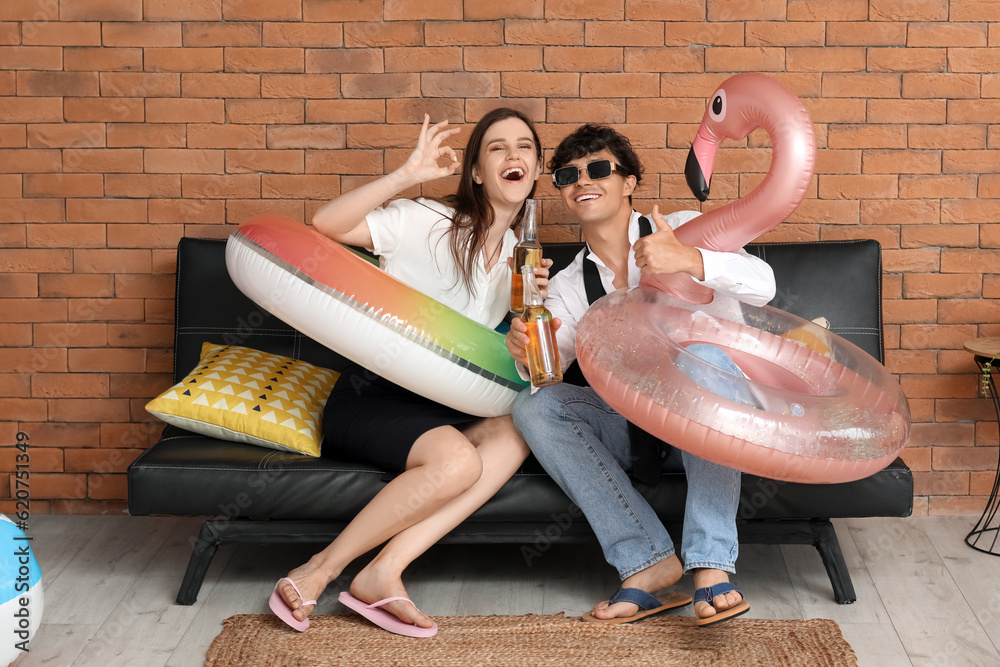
20 592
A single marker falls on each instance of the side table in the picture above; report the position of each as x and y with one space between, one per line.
987 529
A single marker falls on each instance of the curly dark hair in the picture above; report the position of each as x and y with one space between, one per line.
591 138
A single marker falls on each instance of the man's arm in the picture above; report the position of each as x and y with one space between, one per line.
737 274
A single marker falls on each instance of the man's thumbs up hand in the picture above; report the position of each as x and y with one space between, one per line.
662 252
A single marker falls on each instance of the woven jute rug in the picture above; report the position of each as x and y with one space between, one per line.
258 640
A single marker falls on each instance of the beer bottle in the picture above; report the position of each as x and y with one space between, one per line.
543 354
527 251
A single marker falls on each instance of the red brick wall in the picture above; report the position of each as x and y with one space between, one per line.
126 124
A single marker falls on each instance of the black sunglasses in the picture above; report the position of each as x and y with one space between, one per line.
596 170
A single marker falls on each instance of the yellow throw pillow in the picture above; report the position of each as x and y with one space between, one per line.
245 395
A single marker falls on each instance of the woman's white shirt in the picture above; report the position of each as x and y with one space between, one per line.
411 239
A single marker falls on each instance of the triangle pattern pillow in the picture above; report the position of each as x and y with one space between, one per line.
244 395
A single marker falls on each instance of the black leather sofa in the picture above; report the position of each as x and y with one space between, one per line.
253 494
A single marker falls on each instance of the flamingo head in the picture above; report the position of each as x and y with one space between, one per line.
740 105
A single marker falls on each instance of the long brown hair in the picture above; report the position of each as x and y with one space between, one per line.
473 212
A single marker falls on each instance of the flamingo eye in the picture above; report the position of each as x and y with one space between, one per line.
717 109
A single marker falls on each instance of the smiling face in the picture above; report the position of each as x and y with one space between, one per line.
508 163
594 202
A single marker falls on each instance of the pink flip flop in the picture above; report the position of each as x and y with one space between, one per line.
384 619
283 611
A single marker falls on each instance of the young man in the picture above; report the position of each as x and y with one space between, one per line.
583 443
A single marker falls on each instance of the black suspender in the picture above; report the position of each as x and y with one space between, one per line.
595 290
592 277
645 447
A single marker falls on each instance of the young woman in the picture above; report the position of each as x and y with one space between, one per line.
456 251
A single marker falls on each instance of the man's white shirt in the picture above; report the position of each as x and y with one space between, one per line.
733 275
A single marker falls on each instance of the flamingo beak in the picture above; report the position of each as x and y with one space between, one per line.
700 163
695 176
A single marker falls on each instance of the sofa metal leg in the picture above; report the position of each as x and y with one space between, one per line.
820 533
833 560
217 531
205 546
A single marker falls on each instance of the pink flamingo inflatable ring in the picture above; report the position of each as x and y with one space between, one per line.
344 301
813 407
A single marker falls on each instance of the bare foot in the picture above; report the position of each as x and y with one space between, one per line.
704 577
657 576
373 584
311 583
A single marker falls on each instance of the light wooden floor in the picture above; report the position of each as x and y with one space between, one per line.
924 597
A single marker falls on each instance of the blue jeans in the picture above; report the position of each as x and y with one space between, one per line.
584 445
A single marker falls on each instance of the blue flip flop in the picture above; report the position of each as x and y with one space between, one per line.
708 594
649 605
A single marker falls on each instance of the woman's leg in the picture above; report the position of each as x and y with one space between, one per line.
502 451
442 465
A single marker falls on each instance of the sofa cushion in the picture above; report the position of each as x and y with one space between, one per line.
192 474
243 395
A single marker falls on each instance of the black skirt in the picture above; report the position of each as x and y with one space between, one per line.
370 420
